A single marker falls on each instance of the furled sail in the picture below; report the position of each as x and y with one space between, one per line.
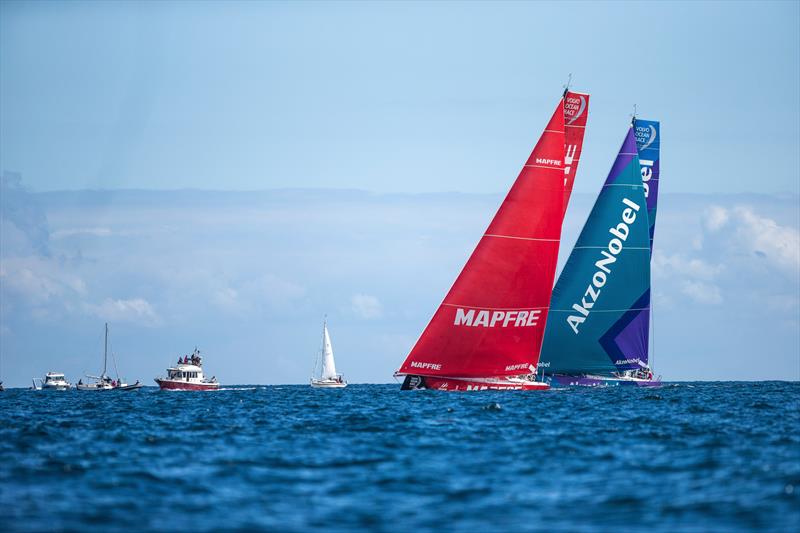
648 141
576 112
328 366
491 322
600 311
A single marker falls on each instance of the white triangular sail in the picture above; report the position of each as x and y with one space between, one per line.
328 365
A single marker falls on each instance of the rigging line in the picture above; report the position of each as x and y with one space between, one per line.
114 359
652 336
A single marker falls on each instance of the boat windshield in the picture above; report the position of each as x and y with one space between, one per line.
177 374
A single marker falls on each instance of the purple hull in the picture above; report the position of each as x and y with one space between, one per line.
563 380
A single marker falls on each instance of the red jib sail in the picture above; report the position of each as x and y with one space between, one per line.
576 111
492 321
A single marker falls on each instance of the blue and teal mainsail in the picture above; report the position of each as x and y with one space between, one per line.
600 310
648 141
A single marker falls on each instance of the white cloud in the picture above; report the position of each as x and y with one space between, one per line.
265 292
665 265
136 310
96 232
715 218
257 273
227 299
730 244
273 290
366 306
762 235
38 280
701 292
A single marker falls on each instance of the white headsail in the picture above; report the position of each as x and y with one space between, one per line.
328 366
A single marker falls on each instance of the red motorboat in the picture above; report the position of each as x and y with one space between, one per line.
187 374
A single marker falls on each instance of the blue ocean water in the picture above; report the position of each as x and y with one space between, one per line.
685 457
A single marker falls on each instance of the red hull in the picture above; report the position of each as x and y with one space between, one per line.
166 384
466 384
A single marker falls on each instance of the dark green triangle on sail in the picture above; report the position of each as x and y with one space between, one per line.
600 309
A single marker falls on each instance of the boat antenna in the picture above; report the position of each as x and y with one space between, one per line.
566 87
633 116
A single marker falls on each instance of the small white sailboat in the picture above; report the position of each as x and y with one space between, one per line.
104 382
328 378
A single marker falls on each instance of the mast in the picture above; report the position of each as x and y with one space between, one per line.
648 143
105 352
322 348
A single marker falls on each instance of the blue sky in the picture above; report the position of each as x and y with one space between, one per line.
380 139
389 97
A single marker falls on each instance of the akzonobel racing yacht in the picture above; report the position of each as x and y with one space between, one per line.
598 331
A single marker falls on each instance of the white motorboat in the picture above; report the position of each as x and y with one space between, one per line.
327 378
52 381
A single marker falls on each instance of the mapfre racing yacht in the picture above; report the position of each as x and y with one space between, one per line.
187 374
487 332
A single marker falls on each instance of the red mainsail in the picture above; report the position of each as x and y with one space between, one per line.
576 111
491 322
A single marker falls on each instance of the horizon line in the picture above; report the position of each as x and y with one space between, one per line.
370 192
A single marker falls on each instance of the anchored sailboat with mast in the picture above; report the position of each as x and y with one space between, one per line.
598 332
104 382
327 377
488 331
